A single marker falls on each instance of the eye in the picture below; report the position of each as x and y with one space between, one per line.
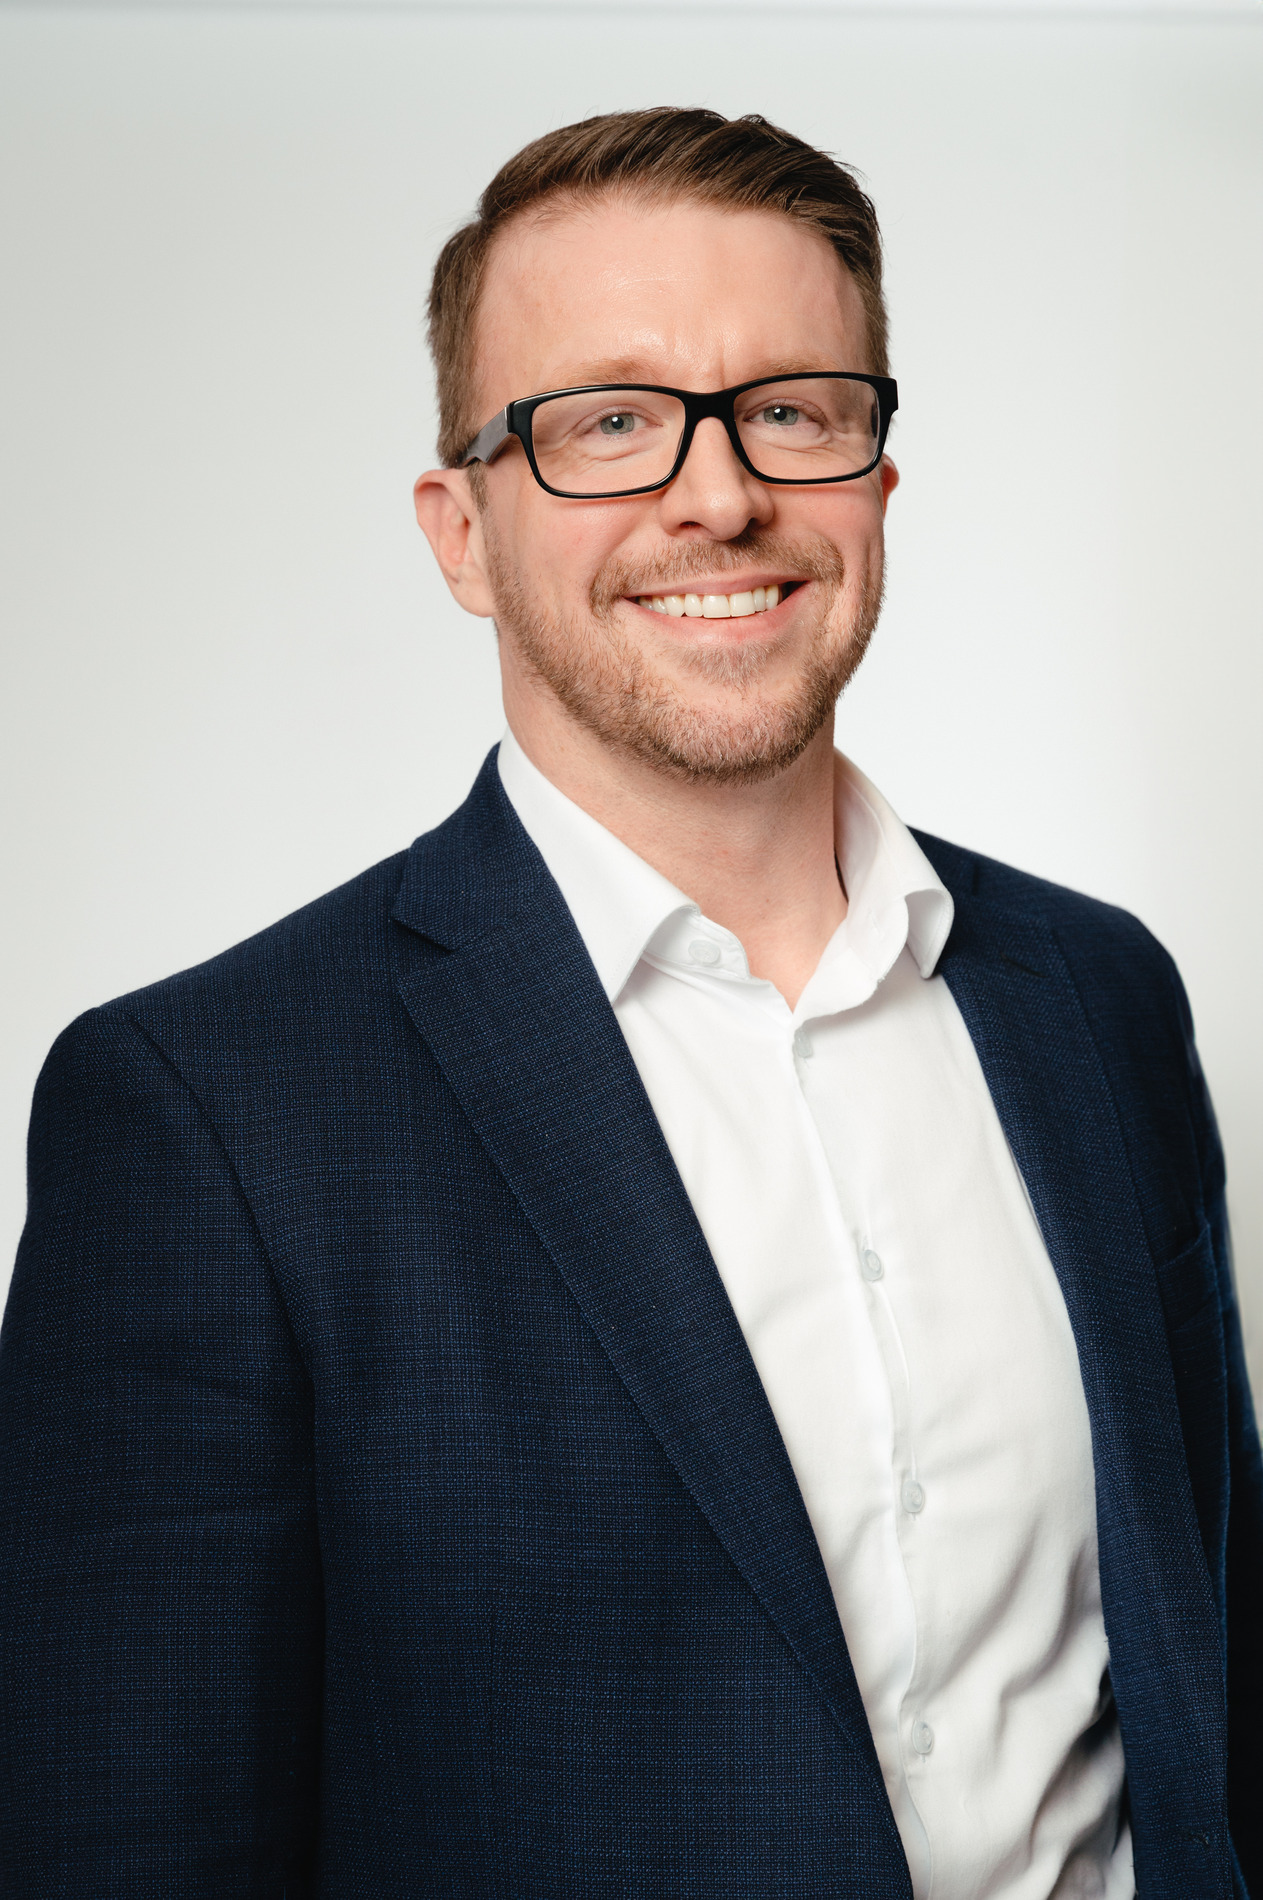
618 424
780 415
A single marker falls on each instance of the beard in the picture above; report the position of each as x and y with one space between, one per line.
606 681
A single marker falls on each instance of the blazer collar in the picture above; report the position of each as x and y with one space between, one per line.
474 871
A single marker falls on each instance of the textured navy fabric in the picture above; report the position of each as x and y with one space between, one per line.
389 1505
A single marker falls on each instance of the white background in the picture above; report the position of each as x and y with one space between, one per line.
231 679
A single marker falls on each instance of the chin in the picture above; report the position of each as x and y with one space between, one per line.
726 745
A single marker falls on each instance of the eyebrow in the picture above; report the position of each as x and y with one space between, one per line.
630 370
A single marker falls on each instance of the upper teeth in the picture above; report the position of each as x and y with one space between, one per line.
713 606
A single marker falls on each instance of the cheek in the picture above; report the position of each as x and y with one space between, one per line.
562 546
849 517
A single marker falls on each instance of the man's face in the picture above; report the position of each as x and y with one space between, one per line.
697 298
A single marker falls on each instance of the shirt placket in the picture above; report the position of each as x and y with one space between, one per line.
875 1257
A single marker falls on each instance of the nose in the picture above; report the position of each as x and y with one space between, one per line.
713 491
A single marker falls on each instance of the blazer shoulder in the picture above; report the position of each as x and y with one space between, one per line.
340 947
1129 988
1126 978
1079 920
320 956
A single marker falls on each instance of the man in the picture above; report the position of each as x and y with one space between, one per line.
673 1339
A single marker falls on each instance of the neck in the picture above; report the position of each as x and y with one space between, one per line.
757 859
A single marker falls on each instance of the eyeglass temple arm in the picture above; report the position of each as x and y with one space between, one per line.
489 441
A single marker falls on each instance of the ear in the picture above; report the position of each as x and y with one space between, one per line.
889 480
448 517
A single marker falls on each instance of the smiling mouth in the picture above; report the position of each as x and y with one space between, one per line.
756 600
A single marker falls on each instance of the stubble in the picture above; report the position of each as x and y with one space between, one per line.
612 687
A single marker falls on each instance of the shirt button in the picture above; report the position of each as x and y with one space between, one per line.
704 952
922 1737
912 1496
802 1043
871 1264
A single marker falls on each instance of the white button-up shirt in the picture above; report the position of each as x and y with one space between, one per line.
848 1169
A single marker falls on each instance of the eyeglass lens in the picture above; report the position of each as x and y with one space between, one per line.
614 440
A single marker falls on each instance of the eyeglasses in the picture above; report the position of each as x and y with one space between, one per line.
609 439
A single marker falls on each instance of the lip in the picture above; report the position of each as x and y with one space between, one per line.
739 583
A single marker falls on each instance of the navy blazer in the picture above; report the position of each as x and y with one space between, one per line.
390 1506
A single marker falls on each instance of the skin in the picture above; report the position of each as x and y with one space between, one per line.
703 298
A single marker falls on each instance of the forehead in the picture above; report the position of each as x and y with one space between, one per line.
694 295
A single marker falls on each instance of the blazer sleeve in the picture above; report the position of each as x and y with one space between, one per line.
1244 1557
160 1591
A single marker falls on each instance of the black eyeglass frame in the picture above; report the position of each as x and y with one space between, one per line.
516 419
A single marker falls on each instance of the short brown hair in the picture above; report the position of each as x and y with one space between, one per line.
666 152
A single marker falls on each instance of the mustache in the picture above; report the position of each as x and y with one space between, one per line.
814 559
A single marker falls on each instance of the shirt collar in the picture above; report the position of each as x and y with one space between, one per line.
619 903
894 894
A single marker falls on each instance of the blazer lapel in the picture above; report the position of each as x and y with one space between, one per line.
1015 991
511 1007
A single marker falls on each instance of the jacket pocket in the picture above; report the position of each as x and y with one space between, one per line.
1188 1283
